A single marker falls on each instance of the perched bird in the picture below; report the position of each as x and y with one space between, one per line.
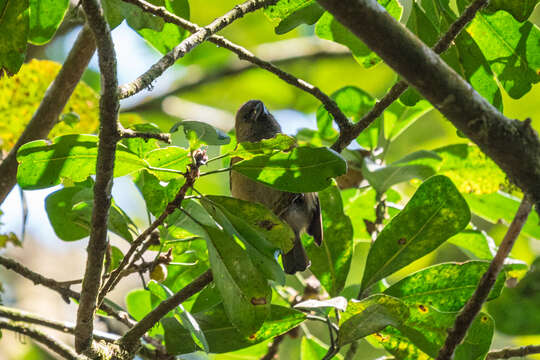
301 211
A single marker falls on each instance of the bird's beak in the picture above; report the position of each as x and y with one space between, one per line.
258 111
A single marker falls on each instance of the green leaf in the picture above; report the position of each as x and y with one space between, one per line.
469 61
180 225
205 132
520 10
116 257
360 206
166 39
138 303
45 18
511 48
206 299
331 262
185 318
398 118
155 195
248 150
117 10
285 8
470 169
447 287
425 331
14 26
501 206
222 336
141 147
476 243
245 291
312 348
329 28
435 213
70 212
516 312
170 157
370 315
258 248
354 103
268 225
303 169
42 164
21 95
308 14
418 165
9 238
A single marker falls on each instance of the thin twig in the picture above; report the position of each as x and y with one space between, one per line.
345 138
59 287
244 54
131 338
129 134
63 326
273 348
473 306
52 104
53 344
513 352
195 39
108 137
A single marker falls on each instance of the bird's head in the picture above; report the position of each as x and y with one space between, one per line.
254 122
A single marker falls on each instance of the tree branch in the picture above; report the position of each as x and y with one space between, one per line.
277 53
54 100
188 44
130 134
130 340
273 348
108 137
63 326
244 54
513 352
59 287
473 306
512 144
53 344
345 138
199 158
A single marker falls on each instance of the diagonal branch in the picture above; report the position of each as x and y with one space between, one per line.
108 137
345 138
131 338
473 306
513 352
188 44
278 53
50 107
513 145
53 344
246 55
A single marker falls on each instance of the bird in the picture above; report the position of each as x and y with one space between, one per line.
301 211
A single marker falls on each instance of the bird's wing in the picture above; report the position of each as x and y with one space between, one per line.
315 227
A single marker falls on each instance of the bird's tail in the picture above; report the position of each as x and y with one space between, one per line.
296 259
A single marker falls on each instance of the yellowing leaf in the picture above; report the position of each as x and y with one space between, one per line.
21 95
